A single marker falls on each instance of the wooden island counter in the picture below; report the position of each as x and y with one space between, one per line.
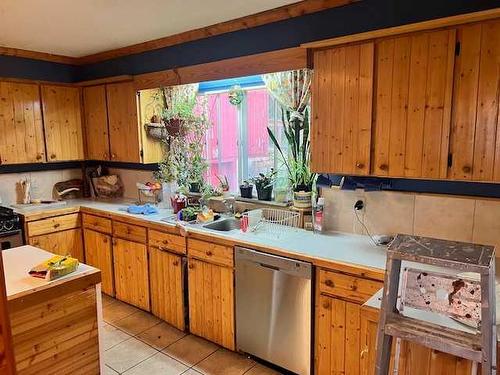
54 323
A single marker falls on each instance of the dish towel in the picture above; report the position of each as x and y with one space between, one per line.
145 209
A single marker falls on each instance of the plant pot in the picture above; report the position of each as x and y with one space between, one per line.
265 193
173 126
194 187
302 199
246 191
281 195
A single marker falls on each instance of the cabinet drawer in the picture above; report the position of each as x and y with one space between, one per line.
167 241
53 224
211 252
349 287
129 232
97 223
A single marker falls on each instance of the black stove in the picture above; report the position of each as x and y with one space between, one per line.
9 220
11 234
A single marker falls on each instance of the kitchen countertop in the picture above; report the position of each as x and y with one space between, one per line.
350 249
19 260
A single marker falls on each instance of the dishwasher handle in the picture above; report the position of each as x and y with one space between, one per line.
273 262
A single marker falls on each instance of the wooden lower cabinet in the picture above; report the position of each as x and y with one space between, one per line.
167 287
338 336
99 254
130 261
66 242
211 302
413 359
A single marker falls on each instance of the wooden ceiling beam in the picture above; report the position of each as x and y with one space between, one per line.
8 51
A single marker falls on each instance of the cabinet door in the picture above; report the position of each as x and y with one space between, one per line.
166 283
123 125
211 302
96 122
130 261
475 137
413 104
98 253
21 124
66 242
63 123
342 109
338 338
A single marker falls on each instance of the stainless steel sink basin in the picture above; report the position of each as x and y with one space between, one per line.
224 225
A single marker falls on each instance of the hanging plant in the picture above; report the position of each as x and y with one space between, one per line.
236 95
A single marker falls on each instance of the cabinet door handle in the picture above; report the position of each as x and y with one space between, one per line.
383 167
326 305
209 253
57 225
52 156
113 155
176 263
191 266
329 283
360 165
466 169
165 242
38 156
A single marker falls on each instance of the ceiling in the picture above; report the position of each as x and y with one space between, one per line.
85 27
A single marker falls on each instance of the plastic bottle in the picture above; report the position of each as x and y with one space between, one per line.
318 215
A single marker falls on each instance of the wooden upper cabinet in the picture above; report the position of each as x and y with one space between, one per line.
342 93
475 135
414 82
96 122
21 125
62 122
123 124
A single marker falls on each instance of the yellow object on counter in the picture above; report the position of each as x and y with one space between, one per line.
55 267
205 216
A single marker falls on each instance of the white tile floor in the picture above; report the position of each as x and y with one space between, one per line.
137 343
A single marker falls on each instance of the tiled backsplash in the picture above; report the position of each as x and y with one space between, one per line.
42 184
440 216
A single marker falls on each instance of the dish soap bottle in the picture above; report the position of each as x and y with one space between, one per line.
318 215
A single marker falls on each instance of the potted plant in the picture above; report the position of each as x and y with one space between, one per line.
178 104
301 179
264 185
246 189
197 168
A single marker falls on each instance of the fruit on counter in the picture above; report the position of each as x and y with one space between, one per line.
205 216
153 185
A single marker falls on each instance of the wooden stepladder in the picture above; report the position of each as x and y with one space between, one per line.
457 301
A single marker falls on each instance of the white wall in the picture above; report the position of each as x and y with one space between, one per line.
42 184
129 178
441 216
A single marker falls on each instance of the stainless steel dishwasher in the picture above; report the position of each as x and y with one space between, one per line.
273 309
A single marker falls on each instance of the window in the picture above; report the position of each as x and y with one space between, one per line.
237 143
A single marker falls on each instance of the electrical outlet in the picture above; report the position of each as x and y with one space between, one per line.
359 205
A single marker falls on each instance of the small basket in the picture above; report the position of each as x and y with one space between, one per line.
271 220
